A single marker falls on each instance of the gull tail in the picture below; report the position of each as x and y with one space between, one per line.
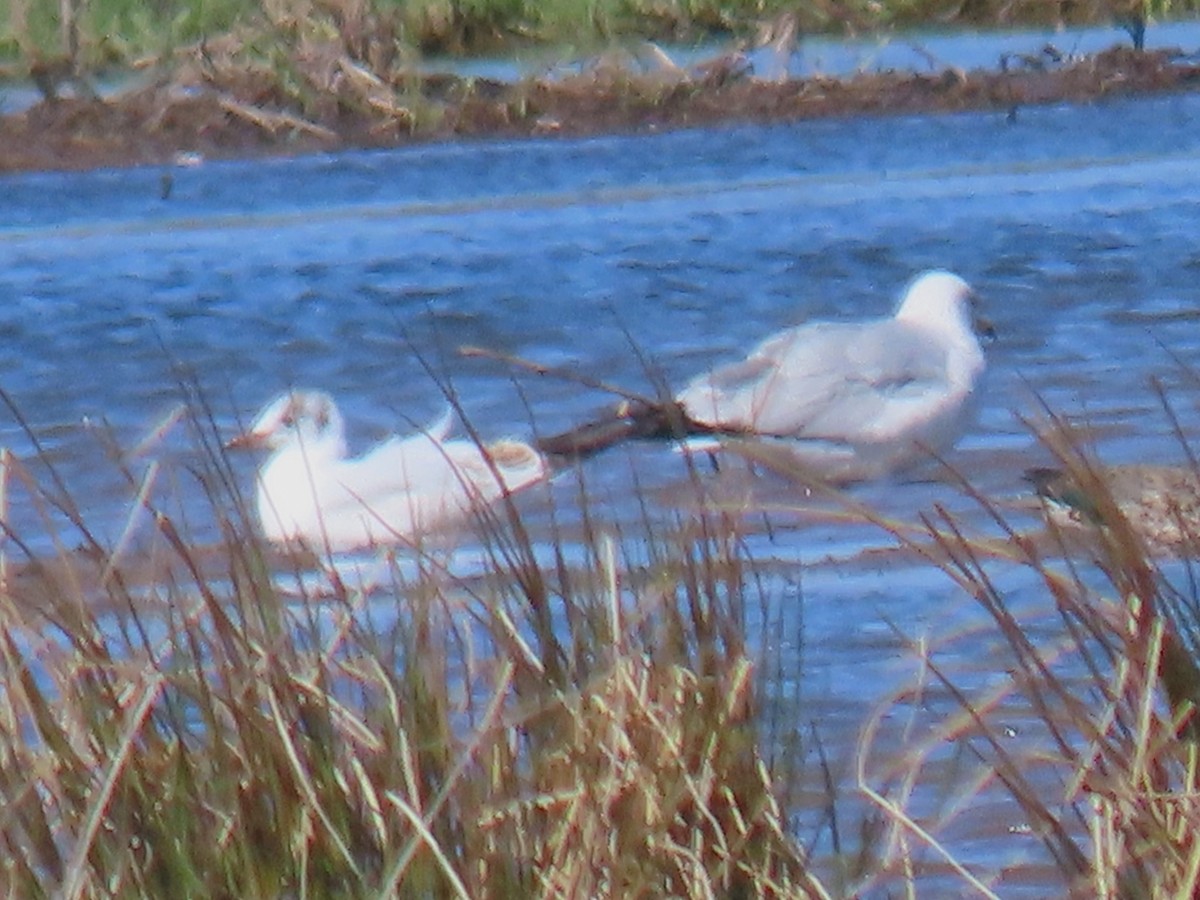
628 420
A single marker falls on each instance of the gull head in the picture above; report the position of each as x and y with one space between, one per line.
941 301
300 417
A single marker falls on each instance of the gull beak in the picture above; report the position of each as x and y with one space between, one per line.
981 324
984 328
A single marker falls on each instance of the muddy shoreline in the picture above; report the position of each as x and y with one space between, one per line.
225 114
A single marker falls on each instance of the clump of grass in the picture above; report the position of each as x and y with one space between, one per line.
309 74
173 723
121 32
1112 681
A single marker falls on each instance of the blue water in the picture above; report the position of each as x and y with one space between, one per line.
362 273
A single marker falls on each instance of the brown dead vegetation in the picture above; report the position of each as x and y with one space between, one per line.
322 99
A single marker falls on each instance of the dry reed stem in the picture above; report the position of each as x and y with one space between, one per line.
76 875
1123 761
272 121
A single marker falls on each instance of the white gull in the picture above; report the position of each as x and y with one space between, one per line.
846 400
397 493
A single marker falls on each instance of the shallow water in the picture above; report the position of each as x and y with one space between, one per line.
355 272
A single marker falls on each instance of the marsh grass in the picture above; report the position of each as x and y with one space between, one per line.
124 32
302 75
1107 782
220 719
188 729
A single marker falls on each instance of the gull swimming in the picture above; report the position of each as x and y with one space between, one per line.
1160 504
404 488
848 400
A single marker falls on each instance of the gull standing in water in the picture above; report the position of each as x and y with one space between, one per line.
310 492
849 400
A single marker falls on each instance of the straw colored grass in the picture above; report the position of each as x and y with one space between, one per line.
172 721
189 730
1110 786
375 31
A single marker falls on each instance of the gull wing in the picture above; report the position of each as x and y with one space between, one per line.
412 484
827 381
401 487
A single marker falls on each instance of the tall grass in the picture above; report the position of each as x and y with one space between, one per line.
225 720
173 723
123 31
1109 785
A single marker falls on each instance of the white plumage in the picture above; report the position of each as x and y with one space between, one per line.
856 400
403 489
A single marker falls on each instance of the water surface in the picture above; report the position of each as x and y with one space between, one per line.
362 273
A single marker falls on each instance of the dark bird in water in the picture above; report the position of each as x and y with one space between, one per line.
1161 504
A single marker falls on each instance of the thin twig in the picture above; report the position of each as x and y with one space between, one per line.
472 352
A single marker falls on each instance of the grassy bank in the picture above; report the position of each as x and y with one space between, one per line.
198 722
121 32
229 78
187 722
